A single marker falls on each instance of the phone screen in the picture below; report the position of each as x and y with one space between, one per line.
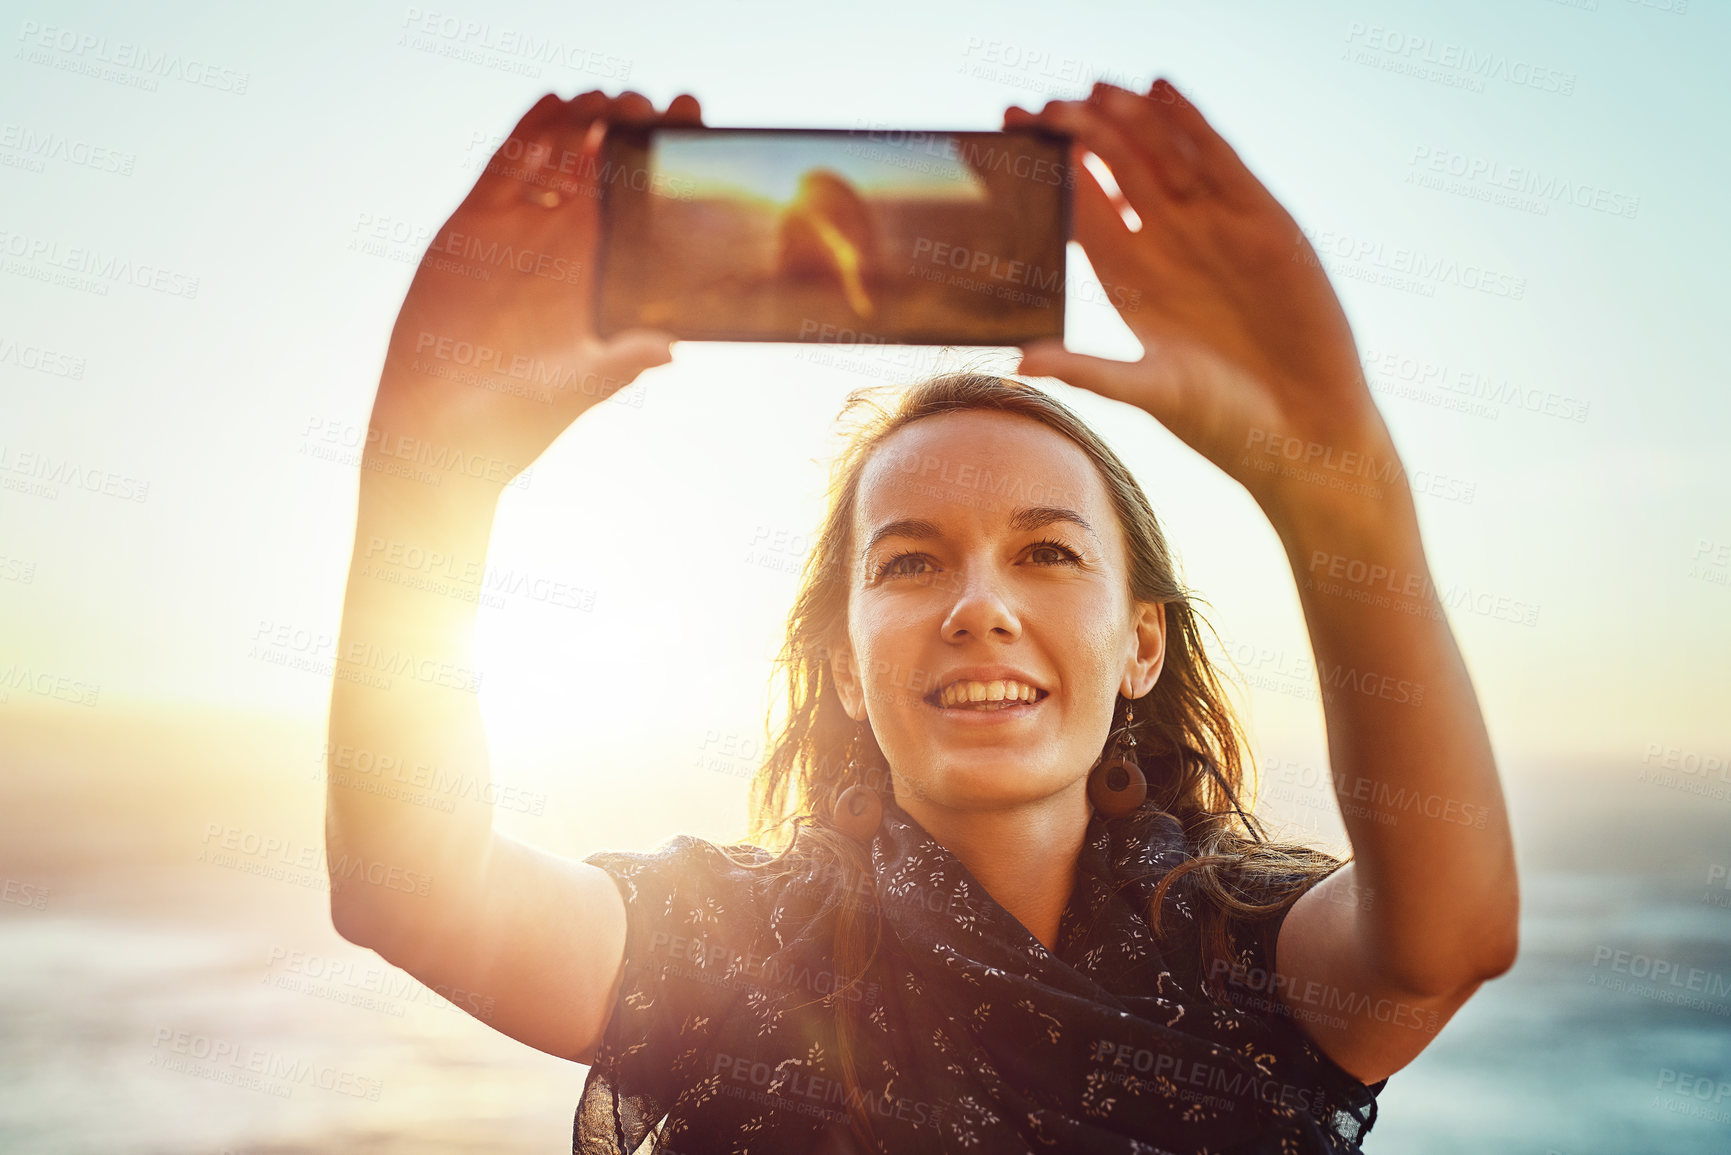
880 236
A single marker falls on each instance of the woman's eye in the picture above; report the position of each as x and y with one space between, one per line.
1054 553
901 564
920 565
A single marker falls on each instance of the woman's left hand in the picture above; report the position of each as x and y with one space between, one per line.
1248 355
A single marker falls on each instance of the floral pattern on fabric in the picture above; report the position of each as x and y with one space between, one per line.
972 1036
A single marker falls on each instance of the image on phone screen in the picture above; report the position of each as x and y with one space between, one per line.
909 237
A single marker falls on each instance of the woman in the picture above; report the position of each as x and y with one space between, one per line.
982 936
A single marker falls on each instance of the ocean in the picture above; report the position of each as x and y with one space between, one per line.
172 983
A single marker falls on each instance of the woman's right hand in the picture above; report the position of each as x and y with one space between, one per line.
493 354
492 357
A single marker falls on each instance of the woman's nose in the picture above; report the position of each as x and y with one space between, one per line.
981 607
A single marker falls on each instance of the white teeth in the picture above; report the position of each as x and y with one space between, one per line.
957 693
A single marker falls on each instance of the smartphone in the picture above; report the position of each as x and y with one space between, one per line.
869 235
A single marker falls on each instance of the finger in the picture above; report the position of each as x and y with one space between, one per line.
631 108
1136 276
684 109
620 359
1113 231
582 110
1176 160
1128 163
1220 161
542 139
540 117
1098 220
565 178
1126 381
519 153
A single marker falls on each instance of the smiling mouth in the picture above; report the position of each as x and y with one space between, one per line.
982 707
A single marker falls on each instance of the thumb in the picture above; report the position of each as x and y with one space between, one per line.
1126 381
622 358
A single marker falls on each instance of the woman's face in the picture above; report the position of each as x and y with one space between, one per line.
988 562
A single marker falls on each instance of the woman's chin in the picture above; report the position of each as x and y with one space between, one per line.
985 780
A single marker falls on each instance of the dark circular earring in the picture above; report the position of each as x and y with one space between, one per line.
859 811
1116 785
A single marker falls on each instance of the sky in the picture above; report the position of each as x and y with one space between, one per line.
209 215
210 218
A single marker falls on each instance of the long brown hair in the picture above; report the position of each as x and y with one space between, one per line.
1188 739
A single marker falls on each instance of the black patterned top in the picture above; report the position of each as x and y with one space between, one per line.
971 1035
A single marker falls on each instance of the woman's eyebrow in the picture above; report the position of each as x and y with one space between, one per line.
1022 521
1038 516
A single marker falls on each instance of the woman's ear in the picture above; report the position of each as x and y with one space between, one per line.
847 680
1143 669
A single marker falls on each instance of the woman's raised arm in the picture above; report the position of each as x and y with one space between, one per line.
1250 360
490 360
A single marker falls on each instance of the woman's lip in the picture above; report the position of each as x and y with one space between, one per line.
986 717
